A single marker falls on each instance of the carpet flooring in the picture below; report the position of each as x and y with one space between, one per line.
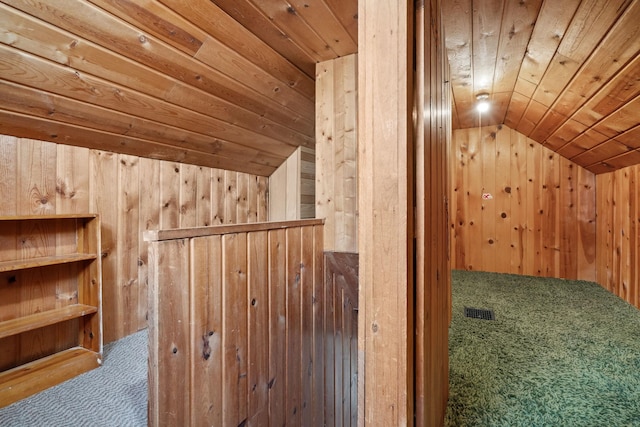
560 353
113 395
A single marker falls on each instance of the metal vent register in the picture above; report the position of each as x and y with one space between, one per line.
479 313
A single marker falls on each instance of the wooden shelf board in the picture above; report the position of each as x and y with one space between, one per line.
46 318
38 217
33 377
43 261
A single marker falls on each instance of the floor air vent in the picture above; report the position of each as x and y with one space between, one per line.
479 313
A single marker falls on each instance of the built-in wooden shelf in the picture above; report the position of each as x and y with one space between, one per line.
34 358
33 377
46 318
43 261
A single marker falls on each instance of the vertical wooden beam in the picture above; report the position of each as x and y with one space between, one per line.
384 94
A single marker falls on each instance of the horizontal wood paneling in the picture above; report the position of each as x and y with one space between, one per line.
237 330
336 152
519 208
167 80
131 194
618 238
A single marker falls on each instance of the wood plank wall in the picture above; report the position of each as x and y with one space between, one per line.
336 152
236 327
520 208
292 187
433 270
618 233
131 194
385 329
341 328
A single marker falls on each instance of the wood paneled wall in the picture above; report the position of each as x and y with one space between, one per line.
236 326
336 152
618 235
292 187
385 328
341 328
131 194
433 271
520 208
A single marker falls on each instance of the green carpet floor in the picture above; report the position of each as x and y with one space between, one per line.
560 353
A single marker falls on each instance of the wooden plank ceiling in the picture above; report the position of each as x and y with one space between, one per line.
565 73
226 84
230 83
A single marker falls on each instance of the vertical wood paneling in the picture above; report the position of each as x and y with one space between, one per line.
341 281
149 219
126 288
131 194
432 140
205 306
170 187
545 203
240 330
617 252
517 189
294 328
306 305
169 333
385 188
230 193
336 152
258 280
104 173
292 187
234 329
319 334
188 198
277 326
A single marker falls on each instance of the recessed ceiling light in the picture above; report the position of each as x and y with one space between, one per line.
483 102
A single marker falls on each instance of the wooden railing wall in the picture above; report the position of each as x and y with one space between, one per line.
236 326
618 233
131 194
517 207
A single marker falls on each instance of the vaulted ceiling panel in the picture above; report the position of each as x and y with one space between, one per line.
577 75
168 79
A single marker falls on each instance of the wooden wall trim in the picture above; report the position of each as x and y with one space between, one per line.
187 233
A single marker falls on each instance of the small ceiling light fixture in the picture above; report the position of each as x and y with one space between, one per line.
483 102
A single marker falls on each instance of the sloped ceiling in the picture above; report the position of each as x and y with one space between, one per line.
230 83
565 73
227 84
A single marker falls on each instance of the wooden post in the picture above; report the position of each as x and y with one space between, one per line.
385 241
